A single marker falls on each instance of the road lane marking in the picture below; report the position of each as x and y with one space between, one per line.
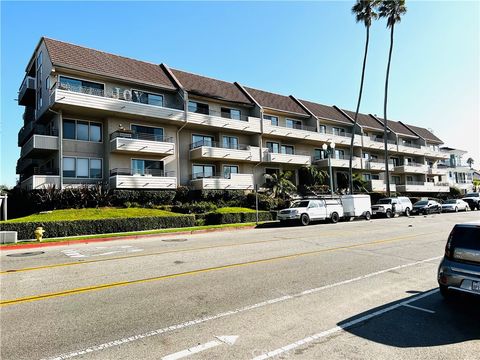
13 271
221 340
193 272
262 304
336 329
419 308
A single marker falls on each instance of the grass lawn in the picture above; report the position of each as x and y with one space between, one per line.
233 210
93 214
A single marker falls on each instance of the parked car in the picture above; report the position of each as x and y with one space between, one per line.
459 270
427 207
357 206
473 200
455 205
390 206
307 210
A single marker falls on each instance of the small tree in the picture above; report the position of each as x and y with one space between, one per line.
470 162
280 184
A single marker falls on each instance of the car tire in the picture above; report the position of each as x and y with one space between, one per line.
368 216
389 214
334 217
407 211
305 219
447 294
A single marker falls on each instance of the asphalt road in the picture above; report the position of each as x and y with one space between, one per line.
352 290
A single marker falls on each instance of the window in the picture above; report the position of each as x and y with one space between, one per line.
410 178
228 170
339 154
83 86
68 167
202 140
293 124
230 142
367 177
273 119
147 132
287 149
323 129
39 97
198 108
395 180
273 147
395 161
39 59
69 129
338 131
319 154
82 130
82 168
147 167
47 83
376 177
147 98
203 171
231 113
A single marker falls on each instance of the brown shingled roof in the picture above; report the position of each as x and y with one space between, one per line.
99 62
365 120
326 112
213 88
424 133
276 101
398 128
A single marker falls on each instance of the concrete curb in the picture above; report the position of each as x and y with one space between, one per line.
112 238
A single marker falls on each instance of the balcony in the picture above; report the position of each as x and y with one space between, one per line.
373 142
128 142
416 186
411 168
208 150
303 132
437 171
341 162
233 182
25 163
432 153
410 149
380 186
247 124
96 99
40 178
296 159
125 178
26 93
25 132
377 165
40 143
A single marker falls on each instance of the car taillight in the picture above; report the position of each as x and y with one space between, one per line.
449 248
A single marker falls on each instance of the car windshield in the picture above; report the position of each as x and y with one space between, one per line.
466 237
450 202
384 201
420 203
473 195
299 204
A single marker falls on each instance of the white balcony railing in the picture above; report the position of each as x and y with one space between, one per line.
297 159
213 151
247 124
141 144
39 142
234 182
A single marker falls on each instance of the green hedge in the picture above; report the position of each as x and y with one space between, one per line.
101 226
233 218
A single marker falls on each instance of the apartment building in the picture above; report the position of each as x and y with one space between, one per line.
91 116
458 173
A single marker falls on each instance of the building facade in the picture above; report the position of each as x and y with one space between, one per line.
459 174
91 116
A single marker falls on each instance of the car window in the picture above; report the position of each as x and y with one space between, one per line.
472 195
313 204
421 202
467 237
384 201
300 204
450 202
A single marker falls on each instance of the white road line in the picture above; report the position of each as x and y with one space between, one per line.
186 324
419 308
339 328
229 340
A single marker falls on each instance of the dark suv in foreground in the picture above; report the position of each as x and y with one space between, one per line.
459 270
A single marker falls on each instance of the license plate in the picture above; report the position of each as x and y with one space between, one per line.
476 286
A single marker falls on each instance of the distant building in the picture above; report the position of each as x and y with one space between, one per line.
91 116
459 174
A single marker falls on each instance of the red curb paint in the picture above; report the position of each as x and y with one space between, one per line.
112 238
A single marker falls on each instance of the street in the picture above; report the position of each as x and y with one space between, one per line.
356 290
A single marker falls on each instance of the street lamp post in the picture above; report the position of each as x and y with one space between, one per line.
329 150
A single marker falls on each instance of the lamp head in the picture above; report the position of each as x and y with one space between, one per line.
324 147
332 145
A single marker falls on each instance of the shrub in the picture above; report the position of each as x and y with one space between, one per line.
215 218
100 226
195 207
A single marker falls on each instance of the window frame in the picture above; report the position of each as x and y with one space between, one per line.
198 102
295 121
203 166
82 80
148 92
76 130
271 117
224 166
76 167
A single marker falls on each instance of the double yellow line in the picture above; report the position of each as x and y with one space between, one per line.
195 272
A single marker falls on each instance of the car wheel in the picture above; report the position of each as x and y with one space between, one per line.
305 219
447 294
368 216
389 214
407 212
334 217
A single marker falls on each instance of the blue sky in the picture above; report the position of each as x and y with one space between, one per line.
312 50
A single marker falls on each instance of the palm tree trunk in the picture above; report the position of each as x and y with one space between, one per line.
350 170
387 173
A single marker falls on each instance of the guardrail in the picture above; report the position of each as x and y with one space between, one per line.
140 136
139 172
220 145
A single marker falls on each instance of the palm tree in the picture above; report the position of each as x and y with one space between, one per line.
393 11
280 184
470 162
315 176
364 11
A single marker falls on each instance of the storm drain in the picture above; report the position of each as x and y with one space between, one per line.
25 254
174 240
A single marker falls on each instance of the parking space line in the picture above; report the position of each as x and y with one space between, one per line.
419 308
259 305
336 329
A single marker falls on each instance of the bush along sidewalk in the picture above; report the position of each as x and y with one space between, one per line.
99 226
219 218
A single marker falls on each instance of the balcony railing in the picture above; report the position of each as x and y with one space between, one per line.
138 172
215 144
380 140
415 164
208 175
38 171
140 136
222 114
422 183
336 133
411 145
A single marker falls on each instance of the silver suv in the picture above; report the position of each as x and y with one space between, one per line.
459 270
394 205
